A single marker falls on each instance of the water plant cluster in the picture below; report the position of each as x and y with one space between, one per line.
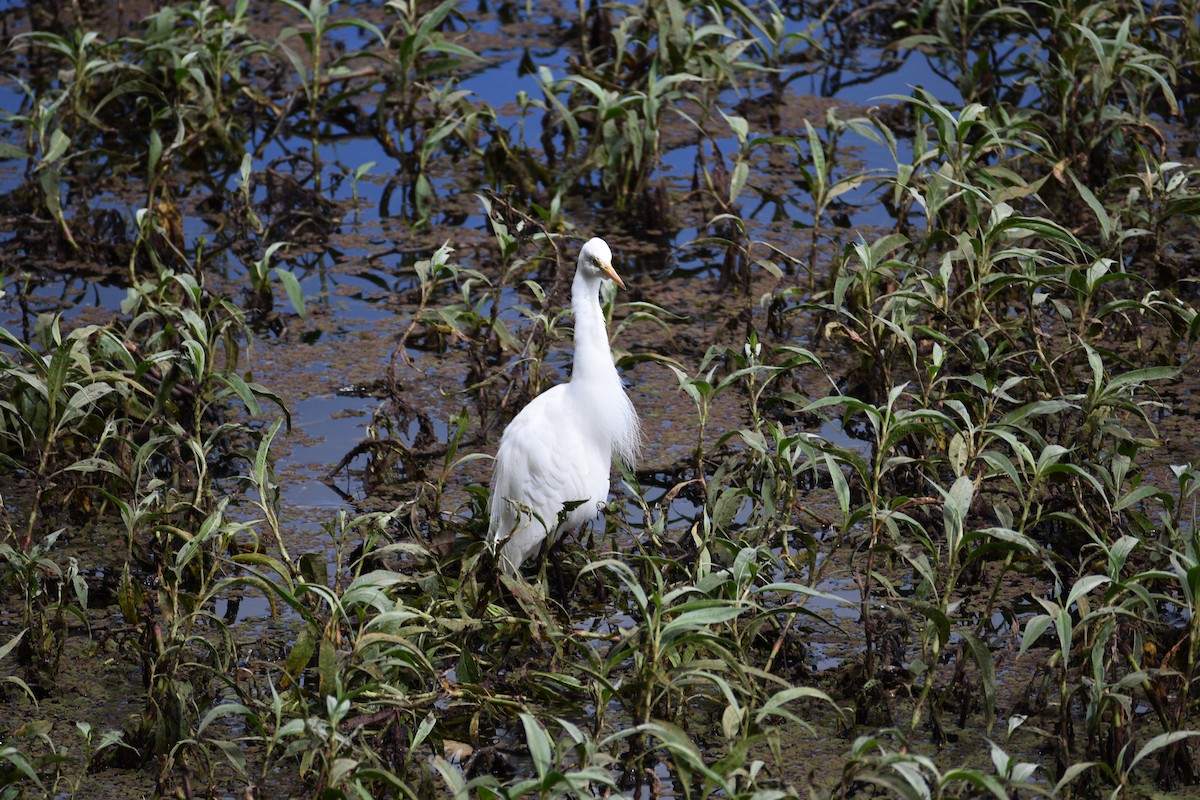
918 513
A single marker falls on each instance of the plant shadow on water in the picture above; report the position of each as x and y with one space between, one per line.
910 326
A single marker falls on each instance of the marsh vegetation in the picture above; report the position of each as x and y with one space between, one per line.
911 326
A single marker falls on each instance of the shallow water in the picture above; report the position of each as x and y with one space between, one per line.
359 288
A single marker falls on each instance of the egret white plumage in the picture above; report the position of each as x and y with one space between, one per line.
558 450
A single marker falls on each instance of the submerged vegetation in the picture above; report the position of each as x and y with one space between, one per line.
918 380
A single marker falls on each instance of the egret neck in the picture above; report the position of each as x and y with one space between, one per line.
595 383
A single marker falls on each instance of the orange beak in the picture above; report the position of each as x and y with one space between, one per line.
608 270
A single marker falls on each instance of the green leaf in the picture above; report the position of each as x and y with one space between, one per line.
8 646
1106 225
540 748
741 128
1083 586
1034 629
88 396
14 757
776 704
940 621
211 525
982 657
841 486
155 153
956 507
244 392
1135 497
220 711
292 286
1158 743
301 653
1070 775
700 619
59 142
1138 377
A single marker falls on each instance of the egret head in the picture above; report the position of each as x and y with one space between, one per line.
596 258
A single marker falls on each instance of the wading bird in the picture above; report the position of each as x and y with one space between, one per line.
552 469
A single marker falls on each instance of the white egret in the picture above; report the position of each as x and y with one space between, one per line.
558 451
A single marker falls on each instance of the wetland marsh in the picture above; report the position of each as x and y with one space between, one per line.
911 327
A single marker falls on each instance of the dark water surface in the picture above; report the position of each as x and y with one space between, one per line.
359 287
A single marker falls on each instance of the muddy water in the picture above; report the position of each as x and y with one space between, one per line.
358 285
359 288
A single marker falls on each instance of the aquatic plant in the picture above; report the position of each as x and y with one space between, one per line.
916 375
313 73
